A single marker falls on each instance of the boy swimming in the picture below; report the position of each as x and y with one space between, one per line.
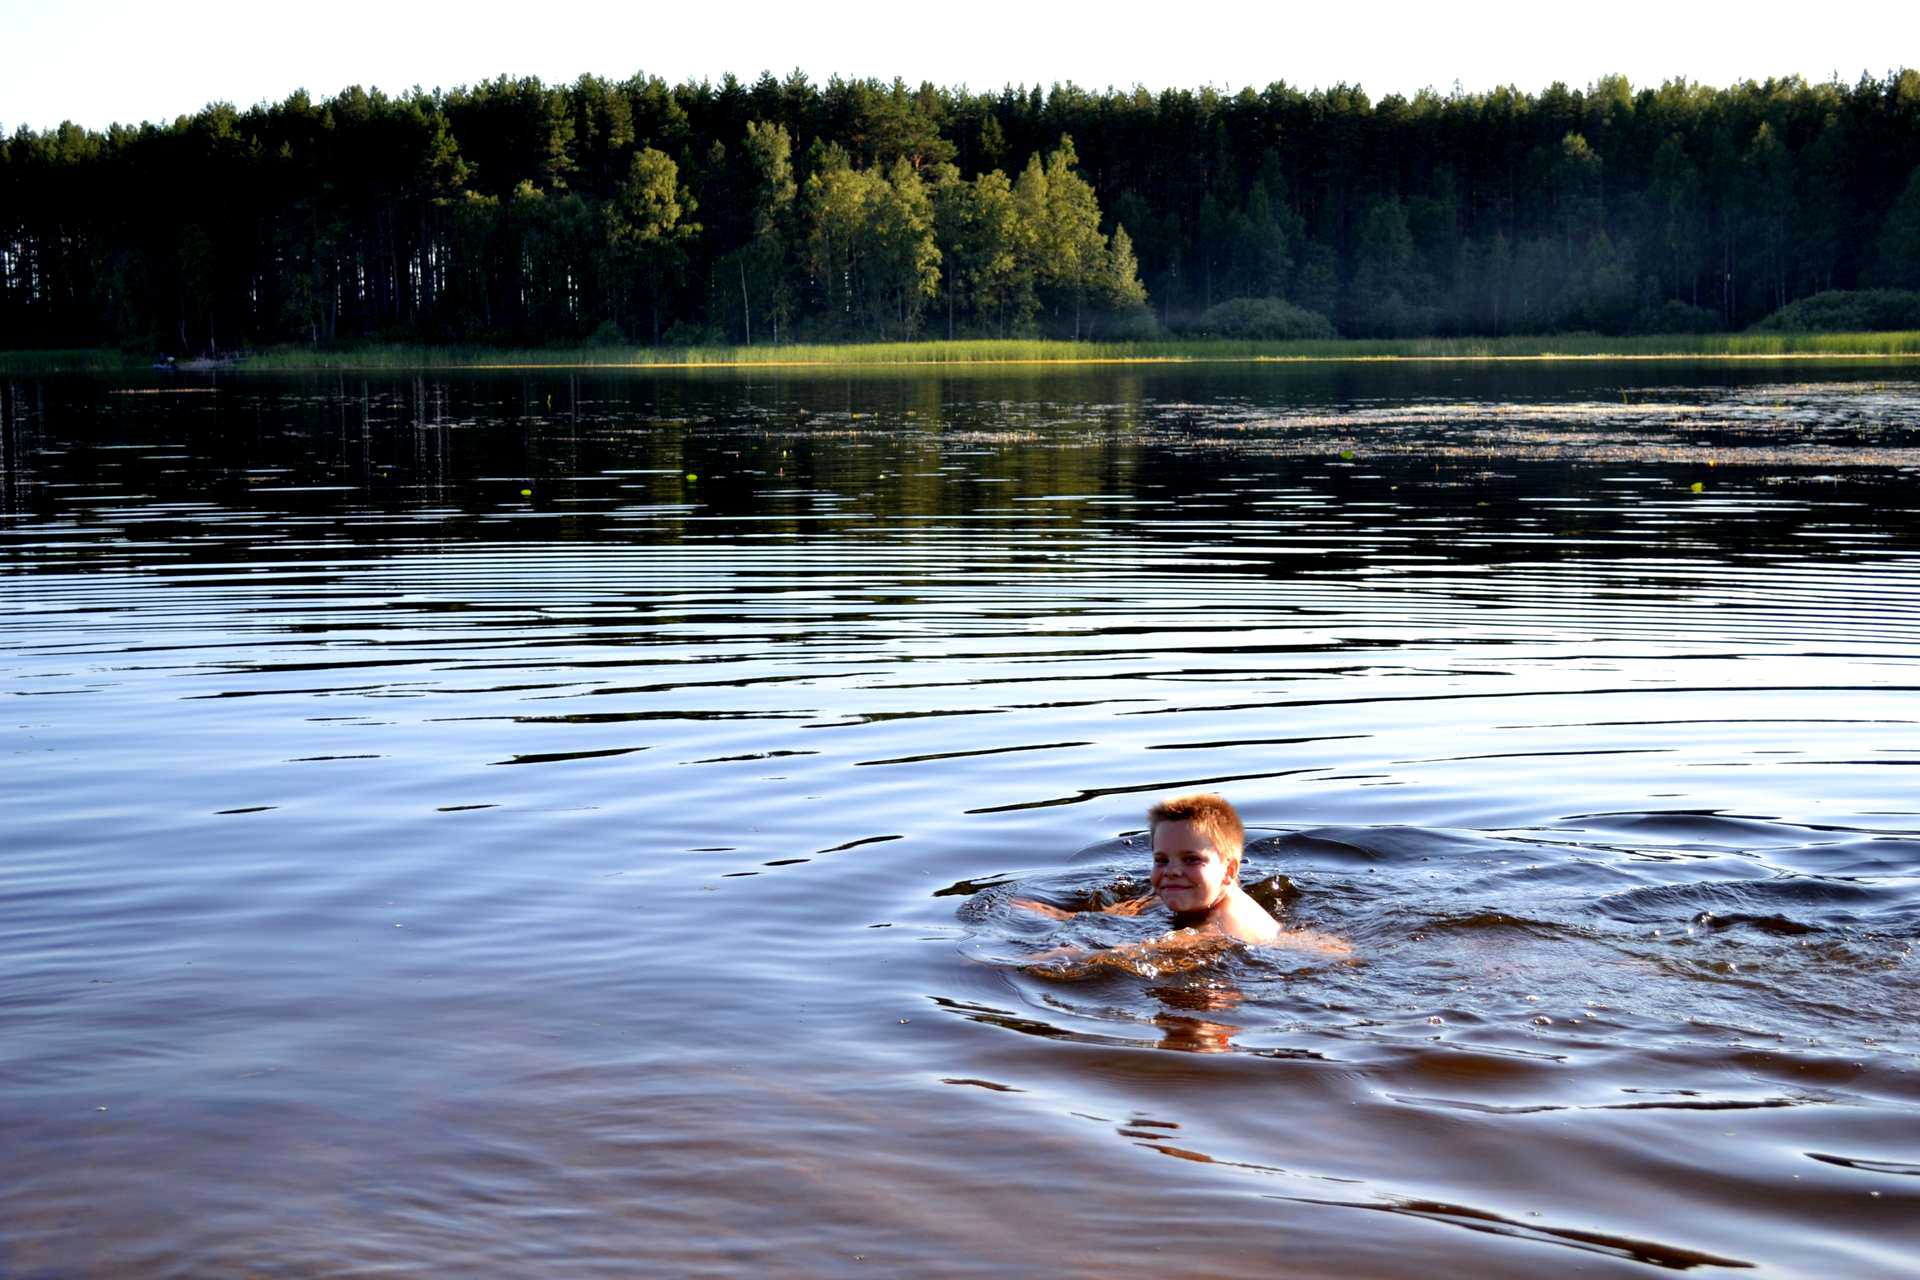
1198 840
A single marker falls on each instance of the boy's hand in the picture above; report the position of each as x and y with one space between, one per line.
1052 913
1131 907
1310 940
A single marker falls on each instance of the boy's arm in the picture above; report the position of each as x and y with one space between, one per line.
1184 948
1052 913
1130 907
1169 954
1309 940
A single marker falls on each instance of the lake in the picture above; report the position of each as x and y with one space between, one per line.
565 823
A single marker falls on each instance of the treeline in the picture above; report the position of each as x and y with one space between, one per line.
514 212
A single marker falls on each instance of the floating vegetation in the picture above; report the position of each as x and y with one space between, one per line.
1808 424
1811 424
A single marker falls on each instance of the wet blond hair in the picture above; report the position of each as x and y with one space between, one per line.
1210 813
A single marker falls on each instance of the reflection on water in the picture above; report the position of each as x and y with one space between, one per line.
564 824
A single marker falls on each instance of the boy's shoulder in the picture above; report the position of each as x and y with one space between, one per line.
1254 926
1247 920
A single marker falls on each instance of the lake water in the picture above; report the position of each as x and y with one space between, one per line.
563 824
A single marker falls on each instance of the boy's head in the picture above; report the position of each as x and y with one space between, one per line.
1210 815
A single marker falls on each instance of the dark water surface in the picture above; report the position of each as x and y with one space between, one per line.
552 824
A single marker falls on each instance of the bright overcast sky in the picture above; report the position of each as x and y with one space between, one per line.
98 61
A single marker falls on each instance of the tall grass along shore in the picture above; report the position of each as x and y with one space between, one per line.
1751 345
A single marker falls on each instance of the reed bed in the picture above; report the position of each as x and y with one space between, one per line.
982 352
1016 351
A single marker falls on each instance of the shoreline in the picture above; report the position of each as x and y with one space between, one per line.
1011 353
1069 361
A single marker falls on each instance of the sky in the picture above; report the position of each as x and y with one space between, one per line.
100 61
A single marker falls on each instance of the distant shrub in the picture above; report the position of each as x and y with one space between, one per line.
1134 325
1259 318
1390 315
685 333
1675 316
607 335
1848 311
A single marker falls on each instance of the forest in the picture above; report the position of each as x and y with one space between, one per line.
515 213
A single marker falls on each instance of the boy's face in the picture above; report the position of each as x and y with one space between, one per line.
1189 874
